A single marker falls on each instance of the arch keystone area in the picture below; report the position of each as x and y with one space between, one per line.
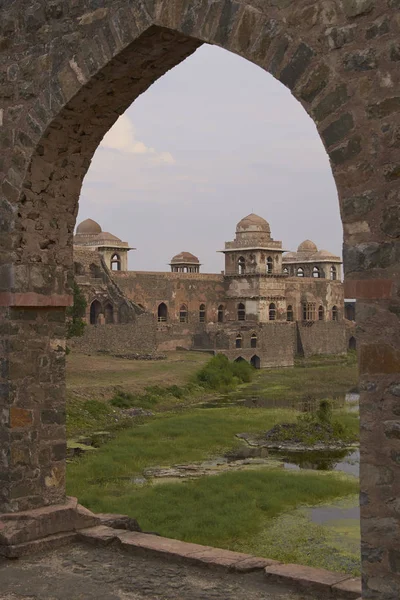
68 70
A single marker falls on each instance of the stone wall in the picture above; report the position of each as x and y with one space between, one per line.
274 346
149 289
321 338
339 58
137 337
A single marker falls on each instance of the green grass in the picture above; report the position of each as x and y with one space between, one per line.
304 382
173 438
228 510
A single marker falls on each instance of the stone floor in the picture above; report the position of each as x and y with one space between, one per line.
83 572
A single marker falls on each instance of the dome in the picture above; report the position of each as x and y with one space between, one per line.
253 223
185 257
307 246
88 227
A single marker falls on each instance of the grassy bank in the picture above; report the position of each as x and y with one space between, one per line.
93 381
237 510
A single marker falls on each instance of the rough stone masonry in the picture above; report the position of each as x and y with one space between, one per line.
68 69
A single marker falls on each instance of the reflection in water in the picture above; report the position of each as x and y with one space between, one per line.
346 461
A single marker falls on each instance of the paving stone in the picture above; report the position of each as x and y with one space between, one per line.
350 588
302 576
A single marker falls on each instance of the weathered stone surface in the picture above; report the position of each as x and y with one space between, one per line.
314 579
346 151
377 29
47 544
27 526
119 521
359 206
391 220
337 130
297 66
395 52
316 83
355 8
362 60
331 102
384 108
350 588
339 36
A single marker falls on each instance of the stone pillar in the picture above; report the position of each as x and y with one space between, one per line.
33 505
32 402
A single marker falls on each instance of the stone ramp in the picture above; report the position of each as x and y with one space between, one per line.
83 572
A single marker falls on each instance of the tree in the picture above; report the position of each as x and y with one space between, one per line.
75 313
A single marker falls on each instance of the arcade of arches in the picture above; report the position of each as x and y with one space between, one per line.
59 60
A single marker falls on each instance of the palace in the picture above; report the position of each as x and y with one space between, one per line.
266 307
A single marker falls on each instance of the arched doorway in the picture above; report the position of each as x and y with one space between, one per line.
109 313
255 361
352 343
298 45
162 313
95 311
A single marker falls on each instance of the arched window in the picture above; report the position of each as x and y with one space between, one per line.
333 273
183 314
316 273
202 313
95 310
269 265
321 313
285 271
109 313
289 313
300 272
162 313
220 313
272 312
238 341
253 340
335 313
115 262
241 313
241 266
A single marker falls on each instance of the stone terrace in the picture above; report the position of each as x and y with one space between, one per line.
82 572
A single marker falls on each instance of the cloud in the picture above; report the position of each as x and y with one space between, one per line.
121 137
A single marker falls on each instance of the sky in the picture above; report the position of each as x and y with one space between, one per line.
211 141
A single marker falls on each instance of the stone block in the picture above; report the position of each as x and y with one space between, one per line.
20 417
46 544
356 8
119 521
101 535
297 66
300 576
26 526
350 588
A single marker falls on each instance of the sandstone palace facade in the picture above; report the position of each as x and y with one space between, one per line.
267 306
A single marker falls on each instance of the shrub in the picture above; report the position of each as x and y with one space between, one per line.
221 374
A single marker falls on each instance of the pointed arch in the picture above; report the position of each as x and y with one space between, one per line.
95 311
162 313
115 263
109 313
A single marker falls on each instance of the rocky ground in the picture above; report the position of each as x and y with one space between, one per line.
81 572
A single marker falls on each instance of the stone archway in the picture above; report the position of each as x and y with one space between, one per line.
69 69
